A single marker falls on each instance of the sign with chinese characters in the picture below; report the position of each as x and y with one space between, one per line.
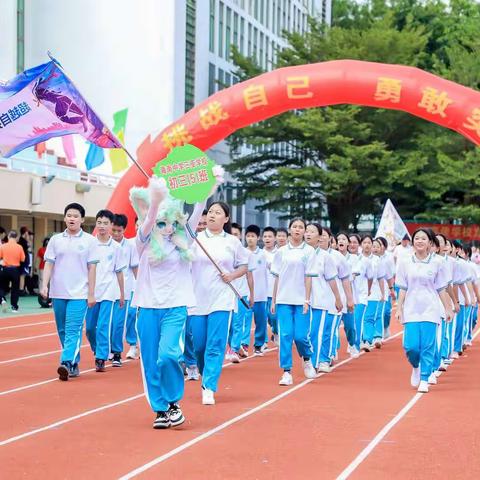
188 173
453 232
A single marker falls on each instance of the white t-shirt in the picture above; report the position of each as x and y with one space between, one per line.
130 254
271 278
422 280
71 255
163 284
322 295
378 276
463 275
260 275
241 284
400 252
362 271
211 292
112 261
291 265
344 272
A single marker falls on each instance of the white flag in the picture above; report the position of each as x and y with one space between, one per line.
391 226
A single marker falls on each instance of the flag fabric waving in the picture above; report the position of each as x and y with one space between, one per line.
95 157
391 225
118 157
42 103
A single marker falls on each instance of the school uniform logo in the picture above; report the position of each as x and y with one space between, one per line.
110 256
81 248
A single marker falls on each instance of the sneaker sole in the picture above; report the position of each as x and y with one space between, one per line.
285 384
161 426
178 422
116 365
100 370
63 373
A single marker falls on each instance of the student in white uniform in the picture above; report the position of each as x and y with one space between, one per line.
421 280
163 293
362 273
376 296
124 317
211 317
109 288
69 279
270 248
260 286
326 302
282 237
293 267
239 332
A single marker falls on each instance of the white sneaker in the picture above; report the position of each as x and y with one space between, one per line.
264 347
432 379
208 397
324 367
349 349
110 356
276 341
308 369
468 343
377 343
234 358
228 355
193 373
132 352
286 379
454 355
415 378
4 306
423 387
443 366
437 373
354 353
365 346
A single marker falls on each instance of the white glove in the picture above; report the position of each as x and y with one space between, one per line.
158 189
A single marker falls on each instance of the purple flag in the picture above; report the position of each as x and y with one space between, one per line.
42 103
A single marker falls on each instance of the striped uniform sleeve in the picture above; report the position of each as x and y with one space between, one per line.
50 253
329 269
442 277
276 264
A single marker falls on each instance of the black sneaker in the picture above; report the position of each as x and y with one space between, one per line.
176 415
64 371
74 371
117 360
99 365
162 421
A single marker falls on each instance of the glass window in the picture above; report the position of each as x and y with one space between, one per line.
228 79
260 61
190 54
220 29
220 79
212 26
267 14
262 11
235 29
255 43
211 79
228 33
20 36
249 51
242 35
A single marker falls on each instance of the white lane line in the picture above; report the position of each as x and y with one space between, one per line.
22 315
383 432
88 412
44 354
44 382
226 424
69 419
27 325
24 339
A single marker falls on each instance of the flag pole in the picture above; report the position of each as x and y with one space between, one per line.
193 235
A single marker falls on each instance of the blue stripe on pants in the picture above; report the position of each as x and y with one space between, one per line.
459 327
293 325
189 354
369 321
419 339
349 325
130 329
160 332
335 337
119 321
272 317
387 314
359 313
69 317
98 324
319 321
210 339
379 318
260 317
237 326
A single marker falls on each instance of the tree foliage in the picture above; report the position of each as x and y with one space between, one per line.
345 161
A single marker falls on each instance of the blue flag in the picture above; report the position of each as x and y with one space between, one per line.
94 157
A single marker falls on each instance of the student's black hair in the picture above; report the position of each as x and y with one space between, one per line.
105 214
468 251
45 241
345 234
75 206
378 241
205 211
445 239
237 226
426 231
120 220
283 230
457 244
297 219
226 209
326 229
317 226
12 234
357 236
384 241
270 229
435 241
365 236
253 229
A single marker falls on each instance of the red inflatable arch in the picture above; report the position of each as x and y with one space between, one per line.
330 83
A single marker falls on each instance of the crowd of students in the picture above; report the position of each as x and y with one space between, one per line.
297 290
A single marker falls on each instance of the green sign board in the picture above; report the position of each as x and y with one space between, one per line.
188 173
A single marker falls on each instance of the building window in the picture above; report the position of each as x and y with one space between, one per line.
20 36
249 51
260 61
220 29
228 79
220 79
212 26
255 43
289 25
255 14
211 79
279 17
190 55
228 33
267 15
242 35
262 11
235 29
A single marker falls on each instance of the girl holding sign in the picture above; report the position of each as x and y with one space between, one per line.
164 292
215 302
